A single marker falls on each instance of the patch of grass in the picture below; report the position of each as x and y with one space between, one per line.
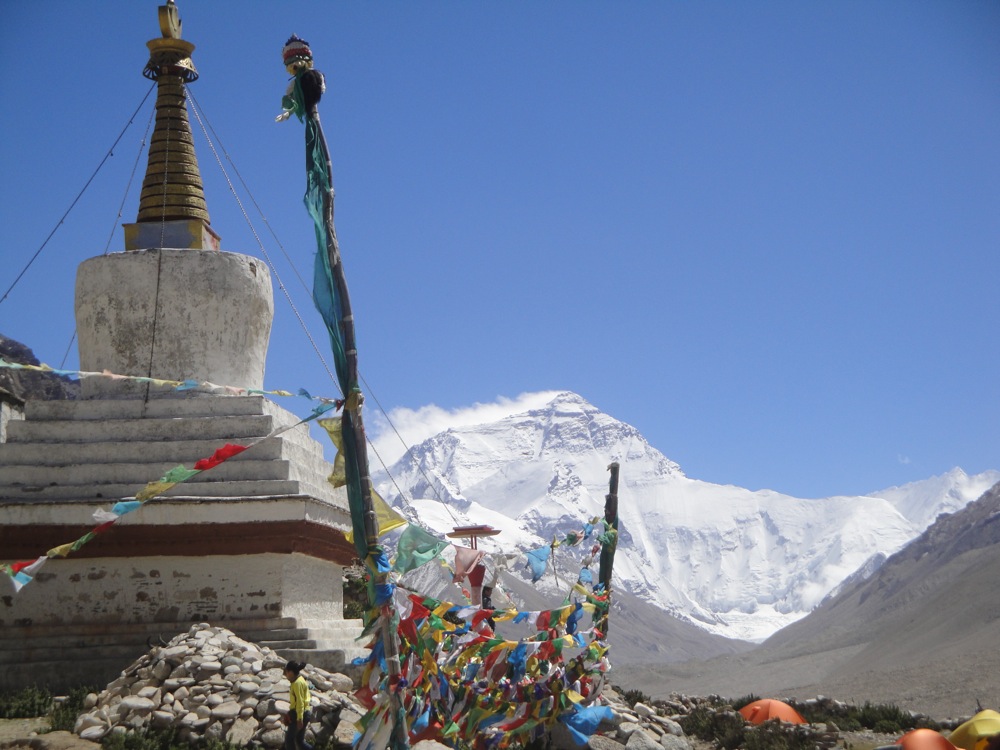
885 719
771 735
727 730
634 696
167 739
64 712
746 700
881 718
27 703
160 739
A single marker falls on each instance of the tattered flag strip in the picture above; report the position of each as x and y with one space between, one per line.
22 572
180 385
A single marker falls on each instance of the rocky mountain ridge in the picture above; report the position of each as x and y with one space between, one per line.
25 385
735 562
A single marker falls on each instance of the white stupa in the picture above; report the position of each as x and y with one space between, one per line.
256 544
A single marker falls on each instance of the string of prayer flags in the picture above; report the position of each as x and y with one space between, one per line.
179 385
64 549
469 685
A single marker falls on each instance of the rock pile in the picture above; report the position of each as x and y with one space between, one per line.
210 683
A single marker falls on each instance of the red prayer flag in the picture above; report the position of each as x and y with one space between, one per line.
223 454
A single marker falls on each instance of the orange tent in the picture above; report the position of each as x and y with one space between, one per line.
924 739
768 708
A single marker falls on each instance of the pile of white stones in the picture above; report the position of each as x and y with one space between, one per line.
210 683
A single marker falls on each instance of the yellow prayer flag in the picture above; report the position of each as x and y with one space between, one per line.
153 489
504 615
61 551
579 588
388 519
332 426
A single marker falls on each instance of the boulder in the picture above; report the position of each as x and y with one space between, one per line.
242 731
672 742
642 740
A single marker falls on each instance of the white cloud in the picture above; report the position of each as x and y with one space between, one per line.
416 425
905 460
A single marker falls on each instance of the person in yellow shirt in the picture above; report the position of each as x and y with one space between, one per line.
298 716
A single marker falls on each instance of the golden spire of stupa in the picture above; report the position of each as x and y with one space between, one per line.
172 192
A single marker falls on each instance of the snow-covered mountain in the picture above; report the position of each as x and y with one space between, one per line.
736 562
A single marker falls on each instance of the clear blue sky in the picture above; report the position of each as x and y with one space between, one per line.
765 234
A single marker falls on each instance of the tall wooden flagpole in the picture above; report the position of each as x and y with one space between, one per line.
334 304
608 548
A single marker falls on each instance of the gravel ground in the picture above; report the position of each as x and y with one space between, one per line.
15 729
31 734
24 733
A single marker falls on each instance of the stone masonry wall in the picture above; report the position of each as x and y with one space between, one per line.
177 589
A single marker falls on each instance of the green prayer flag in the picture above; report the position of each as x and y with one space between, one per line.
415 548
179 474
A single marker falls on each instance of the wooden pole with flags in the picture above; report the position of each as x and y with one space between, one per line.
334 304
352 420
609 546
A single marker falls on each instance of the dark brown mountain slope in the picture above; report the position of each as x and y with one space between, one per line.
26 385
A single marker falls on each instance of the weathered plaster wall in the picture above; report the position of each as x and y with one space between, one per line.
173 314
175 589
313 590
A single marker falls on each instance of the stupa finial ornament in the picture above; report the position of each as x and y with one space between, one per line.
170 20
172 208
170 55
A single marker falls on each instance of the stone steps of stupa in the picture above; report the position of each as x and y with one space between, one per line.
109 449
140 473
174 452
153 430
109 491
164 407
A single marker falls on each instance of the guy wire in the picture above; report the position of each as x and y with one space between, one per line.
107 156
206 126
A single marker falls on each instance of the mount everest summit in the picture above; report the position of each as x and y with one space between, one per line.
738 563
